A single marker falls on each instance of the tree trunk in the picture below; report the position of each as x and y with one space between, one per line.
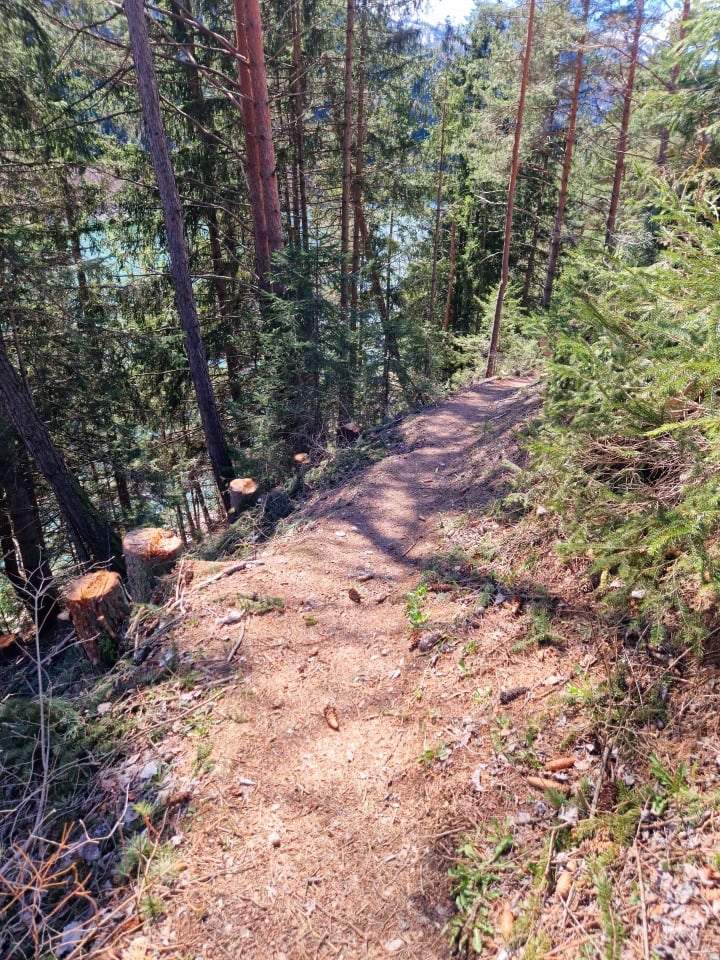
94 539
75 244
192 527
9 553
181 524
263 125
22 509
298 100
451 278
346 386
622 145
252 161
514 167
391 343
121 486
203 505
556 237
438 210
672 86
232 359
98 607
179 263
530 268
149 552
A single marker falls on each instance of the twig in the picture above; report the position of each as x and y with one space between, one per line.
237 643
228 571
643 904
598 785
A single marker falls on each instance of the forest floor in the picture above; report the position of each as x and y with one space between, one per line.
410 662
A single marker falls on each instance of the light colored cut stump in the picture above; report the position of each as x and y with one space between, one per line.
242 495
98 606
149 552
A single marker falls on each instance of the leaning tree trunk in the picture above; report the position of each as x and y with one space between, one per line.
149 553
98 607
514 167
622 145
94 539
567 165
179 263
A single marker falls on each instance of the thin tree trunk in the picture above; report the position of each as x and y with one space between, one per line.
672 87
121 486
181 524
22 508
514 167
551 268
530 267
346 387
357 183
451 278
391 343
438 210
232 360
75 244
298 112
622 145
179 263
188 516
8 553
94 539
203 505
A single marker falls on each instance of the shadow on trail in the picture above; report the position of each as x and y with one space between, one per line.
457 461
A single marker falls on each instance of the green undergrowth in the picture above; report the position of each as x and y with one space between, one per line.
627 454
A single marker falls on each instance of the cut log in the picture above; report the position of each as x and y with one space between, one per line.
149 552
98 606
242 495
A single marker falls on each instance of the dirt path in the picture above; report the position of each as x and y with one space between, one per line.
307 842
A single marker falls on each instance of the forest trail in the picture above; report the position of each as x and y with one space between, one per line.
307 841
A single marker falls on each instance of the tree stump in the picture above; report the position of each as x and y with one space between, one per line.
98 606
242 495
348 433
301 461
149 552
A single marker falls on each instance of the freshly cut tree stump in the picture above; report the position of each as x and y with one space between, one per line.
242 495
149 552
98 606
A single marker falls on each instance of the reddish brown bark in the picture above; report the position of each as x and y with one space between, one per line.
514 167
622 145
263 125
252 160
